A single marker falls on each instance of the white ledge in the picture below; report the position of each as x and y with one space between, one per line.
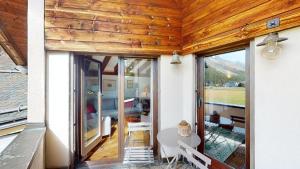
20 153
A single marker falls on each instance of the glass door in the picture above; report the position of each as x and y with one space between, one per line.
222 105
138 103
90 105
118 107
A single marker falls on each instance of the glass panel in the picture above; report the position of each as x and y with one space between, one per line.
225 96
91 122
109 145
137 102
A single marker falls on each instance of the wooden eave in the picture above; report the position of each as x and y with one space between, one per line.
11 48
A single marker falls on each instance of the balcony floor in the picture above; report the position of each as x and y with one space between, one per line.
156 165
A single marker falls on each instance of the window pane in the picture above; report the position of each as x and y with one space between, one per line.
225 96
91 96
137 102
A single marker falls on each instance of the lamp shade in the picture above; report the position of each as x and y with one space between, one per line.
272 37
271 49
175 58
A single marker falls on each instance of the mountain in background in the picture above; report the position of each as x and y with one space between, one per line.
226 66
220 71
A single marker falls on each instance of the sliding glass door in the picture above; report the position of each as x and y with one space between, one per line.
90 105
221 105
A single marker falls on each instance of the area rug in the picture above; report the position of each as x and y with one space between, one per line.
221 143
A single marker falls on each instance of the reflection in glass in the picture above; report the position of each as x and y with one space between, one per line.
108 148
137 101
225 108
91 122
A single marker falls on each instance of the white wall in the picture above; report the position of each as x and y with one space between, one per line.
36 62
114 93
277 111
176 92
188 88
36 71
58 110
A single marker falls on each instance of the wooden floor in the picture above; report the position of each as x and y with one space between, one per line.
108 148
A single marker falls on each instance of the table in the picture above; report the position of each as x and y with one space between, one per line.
169 138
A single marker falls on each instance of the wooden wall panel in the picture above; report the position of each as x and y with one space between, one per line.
113 26
13 23
160 27
216 24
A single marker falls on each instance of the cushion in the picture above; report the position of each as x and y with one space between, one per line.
90 108
129 103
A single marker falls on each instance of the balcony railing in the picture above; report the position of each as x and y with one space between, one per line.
10 119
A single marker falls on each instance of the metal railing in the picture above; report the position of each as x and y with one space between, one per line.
18 109
14 122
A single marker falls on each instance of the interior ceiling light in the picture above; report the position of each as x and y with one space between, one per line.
271 49
175 58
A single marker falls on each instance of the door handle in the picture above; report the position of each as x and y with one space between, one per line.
199 99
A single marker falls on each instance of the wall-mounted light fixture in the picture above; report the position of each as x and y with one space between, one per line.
271 49
175 58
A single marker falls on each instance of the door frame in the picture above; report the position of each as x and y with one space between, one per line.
200 104
77 86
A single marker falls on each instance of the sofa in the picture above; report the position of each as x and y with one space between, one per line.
133 106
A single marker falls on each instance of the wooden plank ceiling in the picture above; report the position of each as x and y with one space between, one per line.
113 26
210 25
161 26
13 29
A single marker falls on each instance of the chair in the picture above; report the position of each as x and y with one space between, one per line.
234 120
142 154
238 119
139 126
193 156
134 127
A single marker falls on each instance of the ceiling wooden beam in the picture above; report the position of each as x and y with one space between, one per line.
10 47
13 22
144 66
116 68
133 64
110 73
105 62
